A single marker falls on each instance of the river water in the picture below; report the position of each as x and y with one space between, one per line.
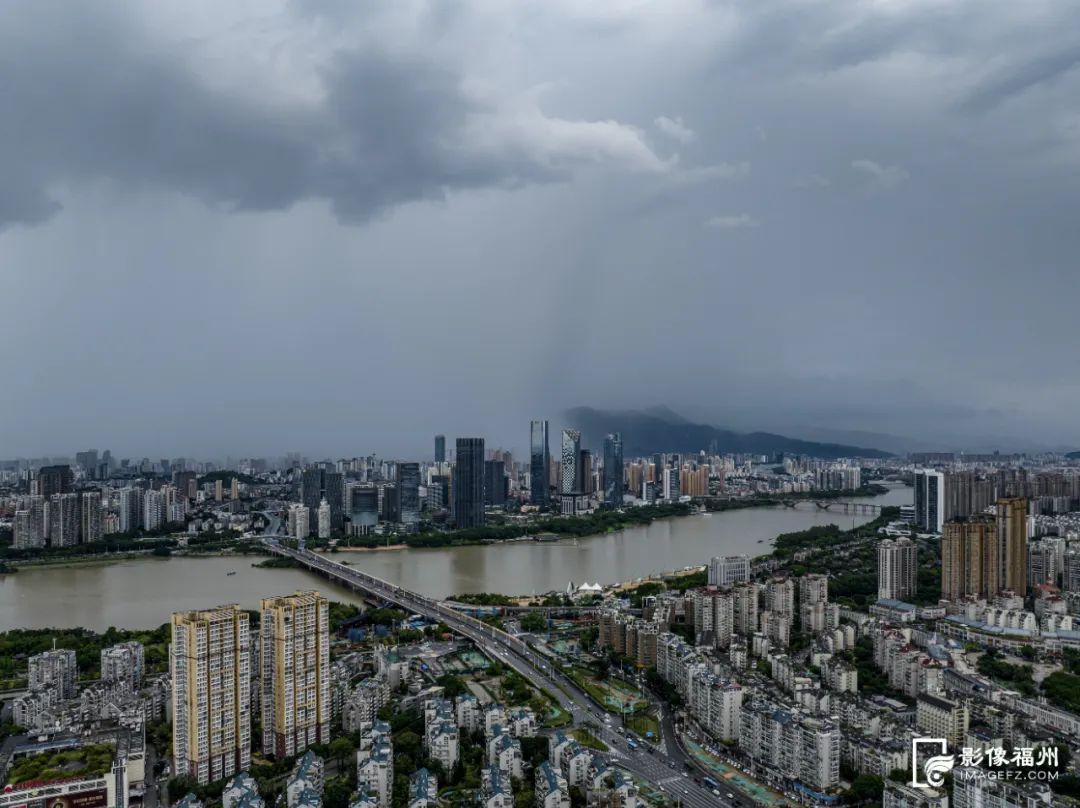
142 593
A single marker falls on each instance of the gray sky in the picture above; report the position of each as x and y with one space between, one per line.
340 227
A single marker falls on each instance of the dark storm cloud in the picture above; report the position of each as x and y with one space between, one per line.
90 95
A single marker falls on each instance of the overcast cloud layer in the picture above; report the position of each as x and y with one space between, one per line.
339 227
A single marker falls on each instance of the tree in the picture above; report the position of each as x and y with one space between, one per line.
341 750
534 621
336 794
866 788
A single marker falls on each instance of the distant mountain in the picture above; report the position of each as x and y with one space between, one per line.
661 430
1073 455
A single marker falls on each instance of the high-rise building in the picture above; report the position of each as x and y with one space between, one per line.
968 548
186 483
29 527
729 570
363 508
294 673
672 487
571 457
124 662
613 470
299 522
584 484
318 484
53 670
53 480
494 483
898 568
210 665
539 460
929 500
131 509
1012 544
88 462
90 517
63 520
408 485
440 448
324 520
153 510
469 483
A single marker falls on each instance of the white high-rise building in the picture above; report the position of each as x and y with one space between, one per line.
131 509
324 520
53 670
729 570
124 662
571 456
210 663
90 518
153 510
295 673
299 526
64 520
897 569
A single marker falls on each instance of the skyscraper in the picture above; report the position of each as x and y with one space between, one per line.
929 500
968 553
539 460
1012 544
318 484
469 483
408 483
64 520
494 483
440 448
613 470
131 509
294 673
897 569
90 517
53 480
571 459
210 665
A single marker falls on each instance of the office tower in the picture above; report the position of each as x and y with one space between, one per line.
153 510
56 670
90 518
658 470
324 520
729 570
494 483
363 509
469 483
584 483
408 486
1012 544
440 448
539 461
219 491
131 510
88 462
64 520
294 673
571 457
318 484
124 662
53 480
210 666
898 568
389 503
443 485
929 500
968 553
613 470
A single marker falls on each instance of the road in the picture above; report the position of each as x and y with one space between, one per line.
663 768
